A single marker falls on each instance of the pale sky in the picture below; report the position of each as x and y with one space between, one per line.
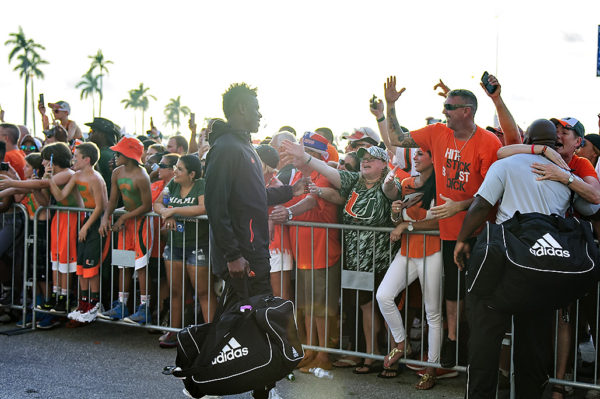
315 63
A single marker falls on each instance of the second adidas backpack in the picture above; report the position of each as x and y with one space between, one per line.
533 261
251 345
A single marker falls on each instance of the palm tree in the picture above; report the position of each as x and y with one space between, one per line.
139 98
100 63
89 86
29 61
34 71
172 111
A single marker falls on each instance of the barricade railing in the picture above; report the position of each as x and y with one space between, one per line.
339 338
124 259
14 230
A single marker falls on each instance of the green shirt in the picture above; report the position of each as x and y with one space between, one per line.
193 227
366 207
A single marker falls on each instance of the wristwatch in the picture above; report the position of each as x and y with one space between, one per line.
571 178
410 226
290 214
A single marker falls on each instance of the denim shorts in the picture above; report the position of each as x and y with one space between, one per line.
192 256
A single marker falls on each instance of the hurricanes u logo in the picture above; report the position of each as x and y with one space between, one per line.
367 213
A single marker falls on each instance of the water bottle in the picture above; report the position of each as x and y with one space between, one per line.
320 373
166 197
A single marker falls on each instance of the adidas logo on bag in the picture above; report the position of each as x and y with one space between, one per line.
231 350
547 246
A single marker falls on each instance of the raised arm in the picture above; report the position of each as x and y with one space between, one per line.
378 113
397 137
296 154
193 140
507 122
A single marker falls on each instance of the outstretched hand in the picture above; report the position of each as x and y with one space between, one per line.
391 94
448 209
294 153
444 90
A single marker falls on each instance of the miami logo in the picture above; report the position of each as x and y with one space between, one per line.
367 213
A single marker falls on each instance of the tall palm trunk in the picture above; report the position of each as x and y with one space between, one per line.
100 97
25 101
143 131
94 106
33 108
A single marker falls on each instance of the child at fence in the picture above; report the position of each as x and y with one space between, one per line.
90 251
423 259
130 182
56 159
188 242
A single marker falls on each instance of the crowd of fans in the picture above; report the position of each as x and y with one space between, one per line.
422 182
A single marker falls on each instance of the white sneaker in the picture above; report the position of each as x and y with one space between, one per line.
91 314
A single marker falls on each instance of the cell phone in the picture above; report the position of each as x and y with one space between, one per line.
490 88
42 99
374 102
4 166
193 118
51 161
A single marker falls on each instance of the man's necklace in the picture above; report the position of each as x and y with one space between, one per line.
461 148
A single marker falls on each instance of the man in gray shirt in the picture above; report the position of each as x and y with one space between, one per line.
511 182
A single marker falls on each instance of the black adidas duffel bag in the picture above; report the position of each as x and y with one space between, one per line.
250 346
533 261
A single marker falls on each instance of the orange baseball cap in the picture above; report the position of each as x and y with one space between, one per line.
130 147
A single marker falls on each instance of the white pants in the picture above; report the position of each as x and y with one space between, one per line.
429 272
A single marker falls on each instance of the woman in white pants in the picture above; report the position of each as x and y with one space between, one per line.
411 214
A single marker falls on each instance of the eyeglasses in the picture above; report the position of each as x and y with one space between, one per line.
452 107
165 166
28 148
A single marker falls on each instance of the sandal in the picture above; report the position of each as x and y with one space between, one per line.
427 381
395 355
388 372
559 389
374 367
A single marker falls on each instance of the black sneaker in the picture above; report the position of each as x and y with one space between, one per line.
448 355
61 305
49 304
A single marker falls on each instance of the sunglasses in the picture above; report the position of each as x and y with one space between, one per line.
165 166
28 148
369 159
452 107
347 166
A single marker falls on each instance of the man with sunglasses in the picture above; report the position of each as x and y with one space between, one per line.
60 114
462 153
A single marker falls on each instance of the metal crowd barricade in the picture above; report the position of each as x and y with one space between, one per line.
18 298
349 281
126 259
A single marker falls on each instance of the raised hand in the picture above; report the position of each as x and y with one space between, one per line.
378 110
444 90
492 80
391 94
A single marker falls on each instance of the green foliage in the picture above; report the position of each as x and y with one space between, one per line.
173 110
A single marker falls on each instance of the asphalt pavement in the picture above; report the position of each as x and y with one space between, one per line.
104 360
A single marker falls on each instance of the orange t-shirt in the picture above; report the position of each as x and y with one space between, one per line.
582 167
333 154
16 159
460 166
322 244
416 213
